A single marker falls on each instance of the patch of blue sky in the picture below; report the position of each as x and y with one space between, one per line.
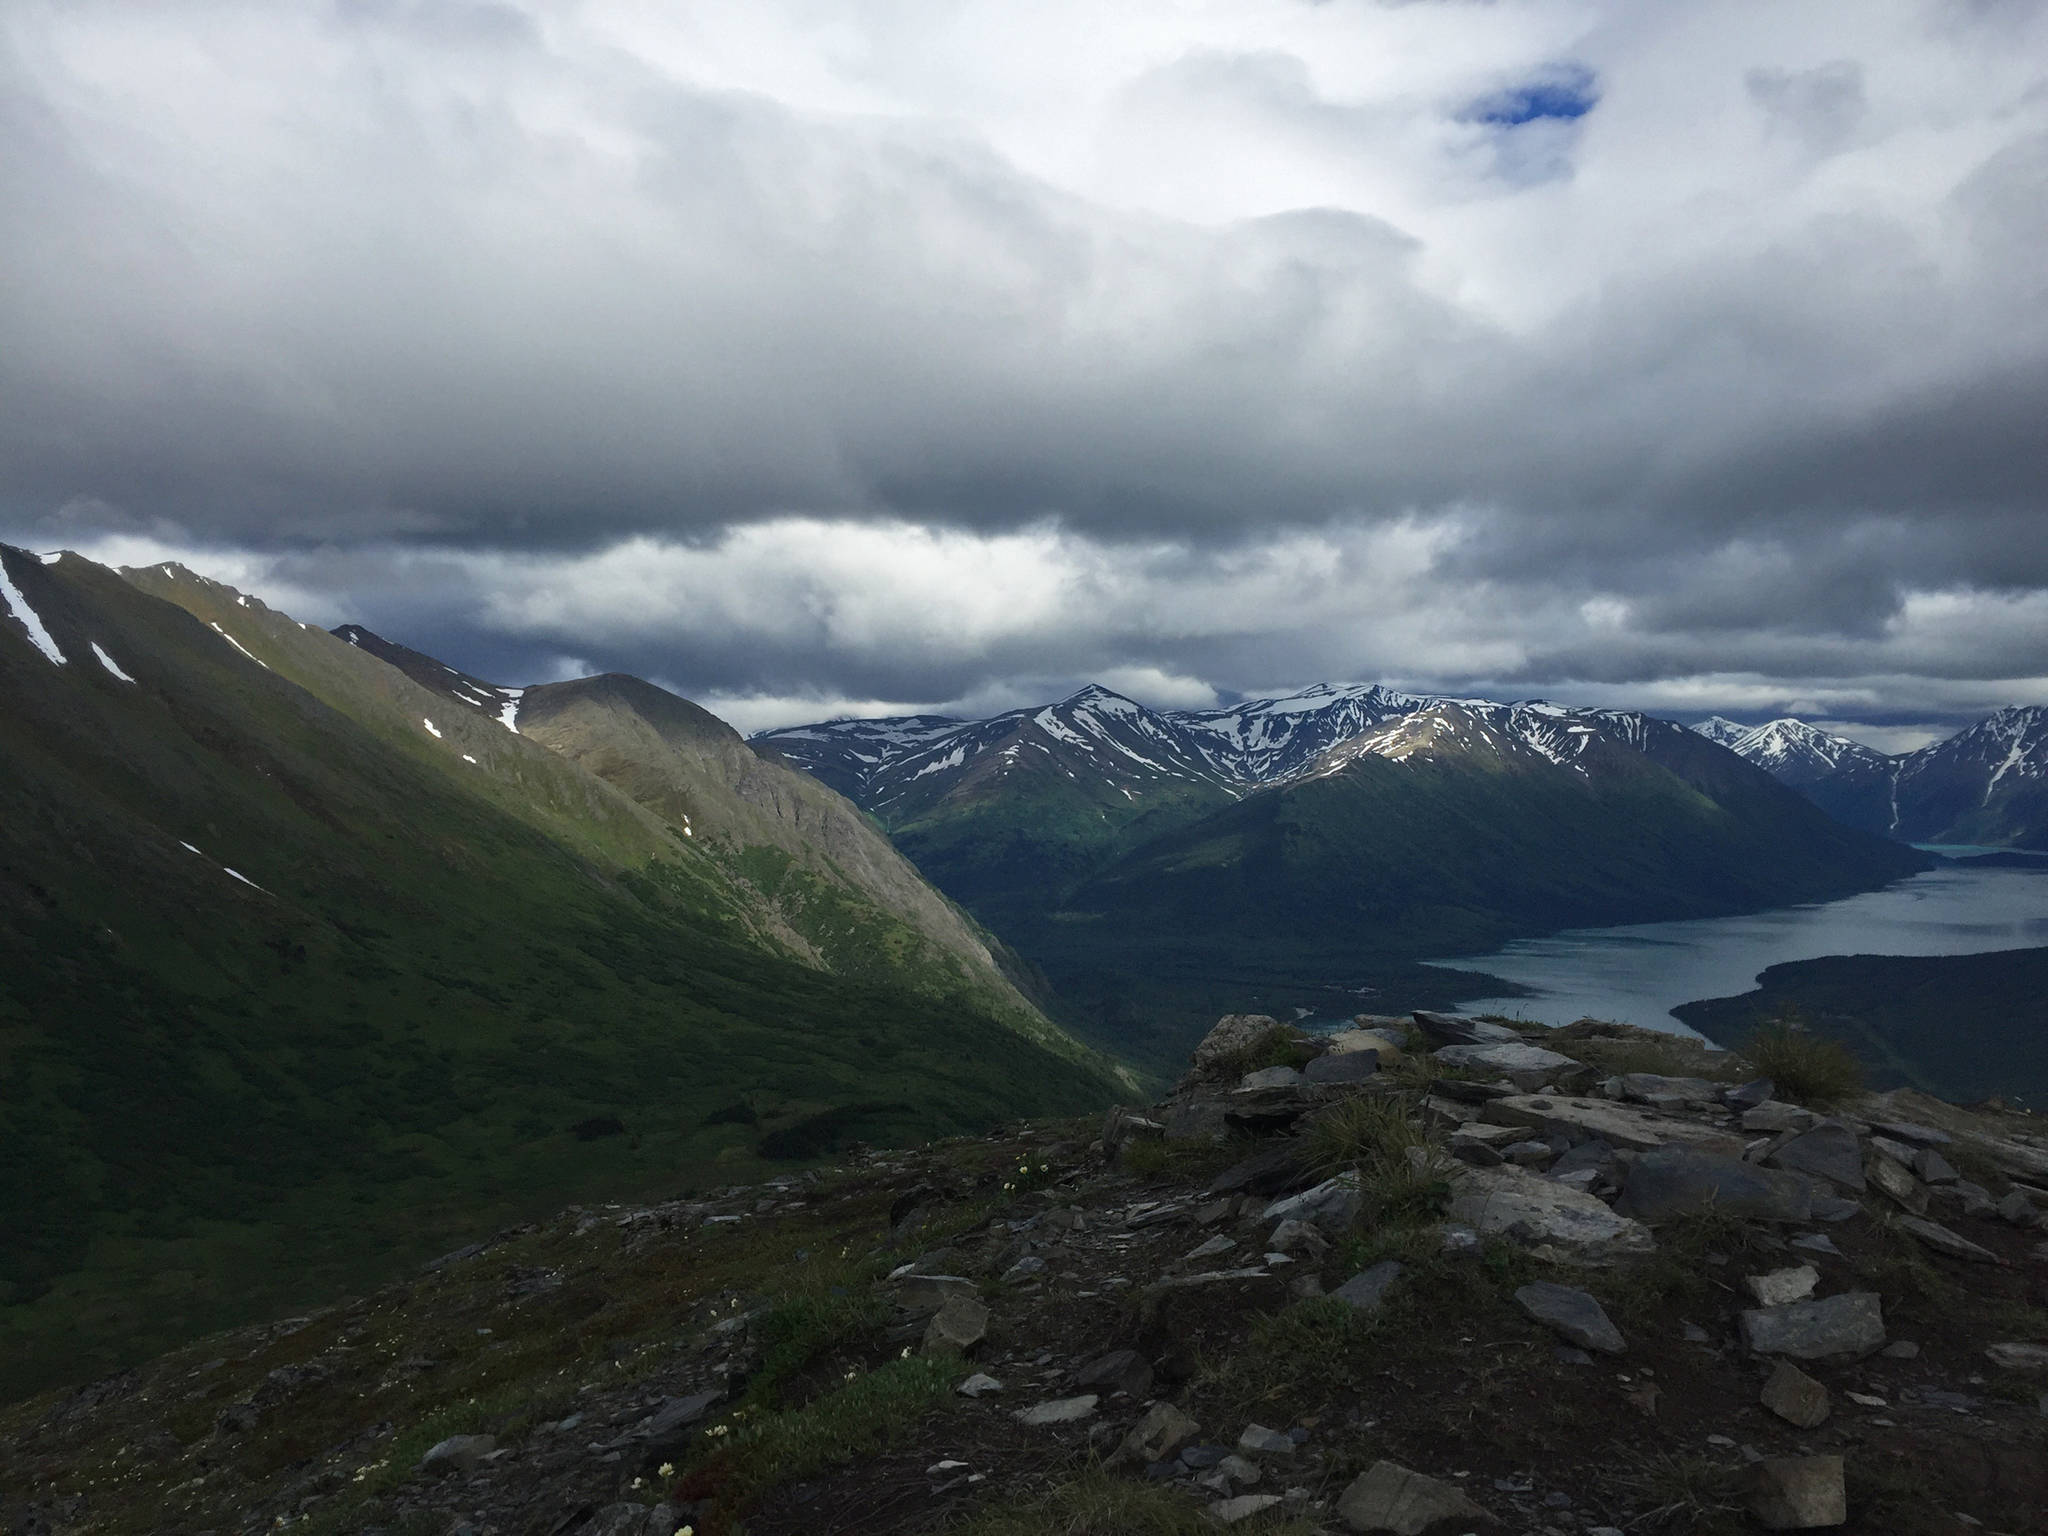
1562 93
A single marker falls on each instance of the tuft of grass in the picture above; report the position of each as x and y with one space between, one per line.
1403 1171
1803 1066
1686 1493
749 1453
1677 1274
1900 1271
1097 1504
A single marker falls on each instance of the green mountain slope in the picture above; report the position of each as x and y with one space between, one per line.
293 986
1438 839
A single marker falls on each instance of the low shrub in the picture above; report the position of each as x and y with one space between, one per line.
1803 1066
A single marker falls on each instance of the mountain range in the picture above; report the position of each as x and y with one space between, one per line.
307 964
1310 849
1986 786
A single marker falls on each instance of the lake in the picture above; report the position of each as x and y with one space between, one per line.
1637 974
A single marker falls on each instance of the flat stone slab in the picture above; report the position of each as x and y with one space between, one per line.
1389 1500
1674 1180
1830 1151
1653 1088
1451 1029
1511 1201
1573 1314
1850 1324
1619 1125
1782 1287
2018 1357
1368 1288
1269 1077
1061 1410
1379 1043
1338 1067
1942 1240
1332 1205
1507 1056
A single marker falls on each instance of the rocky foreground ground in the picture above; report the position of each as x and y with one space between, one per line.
1434 1275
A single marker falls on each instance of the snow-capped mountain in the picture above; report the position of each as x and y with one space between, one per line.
1267 741
1985 785
1721 730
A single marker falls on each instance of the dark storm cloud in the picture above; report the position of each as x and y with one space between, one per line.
1611 351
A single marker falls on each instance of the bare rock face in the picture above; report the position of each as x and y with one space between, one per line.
1829 1150
958 1326
1441 1029
1158 1435
1388 1498
1799 1493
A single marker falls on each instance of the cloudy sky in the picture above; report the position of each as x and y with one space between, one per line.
824 356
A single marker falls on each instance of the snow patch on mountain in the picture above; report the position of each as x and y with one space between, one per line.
109 663
16 605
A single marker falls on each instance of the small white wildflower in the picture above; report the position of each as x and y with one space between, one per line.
666 1469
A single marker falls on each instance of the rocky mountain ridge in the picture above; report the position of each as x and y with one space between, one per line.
1428 1274
1987 785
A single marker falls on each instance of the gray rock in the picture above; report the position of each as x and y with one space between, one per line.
1122 1370
1835 1208
2018 1209
1368 1288
1889 1175
1461 1243
1942 1240
1269 1172
1672 1181
1379 1042
1817 1242
1774 1116
1512 1058
958 1326
1619 1125
1209 1248
1030 1267
1199 1458
1901 1349
1572 1313
1897 1151
1158 1435
1298 1238
1749 1095
1667 1092
1197 1120
2018 1357
1233 1035
1528 1154
1269 1077
1449 1029
1481 1145
1342 1067
928 1293
1795 1396
1919 1135
458 1453
1829 1151
662 1520
978 1385
1508 1201
1782 1287
624 1519
1064 1410
666 1425
1850 1324
1257 1440
1231 1472
1388 1498
1243 1507
1933 1168
1332 1205
1798 1493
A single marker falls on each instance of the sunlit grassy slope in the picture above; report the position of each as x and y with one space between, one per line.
224 1093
